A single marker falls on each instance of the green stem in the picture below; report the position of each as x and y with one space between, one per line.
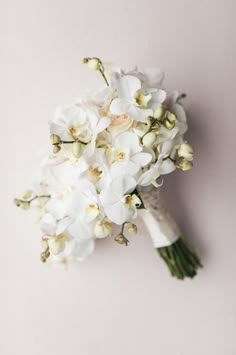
40 196
101 70
69 142
181 260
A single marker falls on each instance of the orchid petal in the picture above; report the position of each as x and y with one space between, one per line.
159 96
167 167
125 168
127 86
119 106
139 114
119 213
153 77
117 189
130 140
142 159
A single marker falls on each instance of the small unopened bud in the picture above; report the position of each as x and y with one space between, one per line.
25 205
185 151
94 63
45 255
132 228
27 194
103 228
158 114
56 149
171 116
120 239
77 149
17 202
55 139
149 139
185 165
169 125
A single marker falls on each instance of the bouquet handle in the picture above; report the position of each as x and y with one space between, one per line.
167 238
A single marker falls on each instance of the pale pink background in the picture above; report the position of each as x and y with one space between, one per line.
122 300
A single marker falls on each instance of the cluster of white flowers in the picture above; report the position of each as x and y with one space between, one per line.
105 146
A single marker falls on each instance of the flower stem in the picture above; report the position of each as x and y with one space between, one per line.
180 258
39 196
69 142
101 70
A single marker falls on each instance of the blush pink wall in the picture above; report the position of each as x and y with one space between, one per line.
122 300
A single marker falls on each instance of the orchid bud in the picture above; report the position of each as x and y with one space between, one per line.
77 149
120 239
103 228
55 139
169 125
93 63
185 151
25 205
56 149
17 202
45 255
149 139
171 116
132 228
27 194
159 112
185 165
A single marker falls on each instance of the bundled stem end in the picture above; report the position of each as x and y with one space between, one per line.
180 258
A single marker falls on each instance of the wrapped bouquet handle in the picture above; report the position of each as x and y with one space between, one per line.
167 238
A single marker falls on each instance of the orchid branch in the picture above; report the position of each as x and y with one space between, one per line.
96 64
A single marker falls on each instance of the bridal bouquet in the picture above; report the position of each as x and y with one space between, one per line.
109 150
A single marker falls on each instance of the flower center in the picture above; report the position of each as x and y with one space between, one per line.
131 201
142 99
120 155
92 210
74 130
95 173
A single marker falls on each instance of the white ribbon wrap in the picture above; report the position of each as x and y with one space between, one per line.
162 228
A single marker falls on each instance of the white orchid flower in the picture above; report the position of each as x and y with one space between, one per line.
82 241
98 169
72 122
176 134
85 202
119 204
150 77
127 155
161 167
78 244
97 126
129 94
56 218
133 99
67 170
57 243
